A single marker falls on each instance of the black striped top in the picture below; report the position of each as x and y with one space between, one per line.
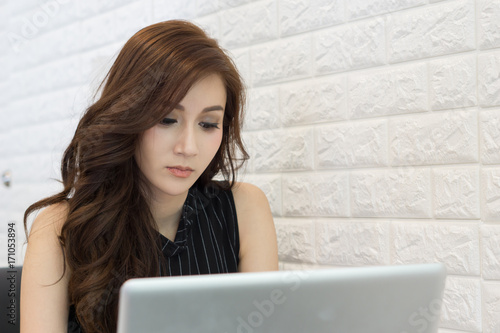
207 239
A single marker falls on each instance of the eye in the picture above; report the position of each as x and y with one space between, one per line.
168 121
208 126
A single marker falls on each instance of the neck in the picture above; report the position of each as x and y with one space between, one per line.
167 212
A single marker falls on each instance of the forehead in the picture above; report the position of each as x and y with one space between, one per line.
206 94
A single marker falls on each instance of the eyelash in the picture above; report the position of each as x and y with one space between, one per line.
204 125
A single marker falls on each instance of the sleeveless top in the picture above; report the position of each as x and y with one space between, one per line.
207 239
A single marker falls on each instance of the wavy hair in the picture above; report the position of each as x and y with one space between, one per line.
109 234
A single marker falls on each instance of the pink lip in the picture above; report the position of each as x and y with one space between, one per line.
180 171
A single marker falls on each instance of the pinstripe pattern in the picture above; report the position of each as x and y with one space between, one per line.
207 240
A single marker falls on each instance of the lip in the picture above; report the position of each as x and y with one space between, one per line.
180 171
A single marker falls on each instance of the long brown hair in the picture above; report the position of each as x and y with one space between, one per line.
110 234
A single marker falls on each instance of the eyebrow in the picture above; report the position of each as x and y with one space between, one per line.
207 109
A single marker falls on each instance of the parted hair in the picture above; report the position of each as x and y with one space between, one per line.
109 234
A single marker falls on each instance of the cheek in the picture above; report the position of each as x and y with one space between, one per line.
145 150
213 142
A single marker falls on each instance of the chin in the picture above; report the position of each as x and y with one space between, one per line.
176 188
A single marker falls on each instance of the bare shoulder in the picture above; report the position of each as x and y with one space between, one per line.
44 282
50 220
247 195
258 245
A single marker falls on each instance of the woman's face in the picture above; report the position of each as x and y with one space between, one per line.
174 153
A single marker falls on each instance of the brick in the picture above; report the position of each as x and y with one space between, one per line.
360 8
5 71
453 83
67 13
14 112
131 18
456 193
455 245
491 306
43 108
9 44
210 24
490 243
16 49
4 97
46 15
299 266
173 9
434 139
441 29
63 73
246 25
490 137
232 3
352 144
248 141
352 243
241 57
285 59
5 141
22 195
491 194
98 30
17 80
206 7
59 43
279 150
351 46
263 109
305 15
313 101
21 6
28 168
3 243
23 30
266 152
4 15
461 308
95 64
43 137
391 193
488 82
297 151
388 91
295 240
319 194
90 8
488 24
271 186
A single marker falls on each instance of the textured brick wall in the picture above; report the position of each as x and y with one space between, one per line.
373 126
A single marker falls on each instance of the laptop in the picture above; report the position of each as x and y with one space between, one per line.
380 299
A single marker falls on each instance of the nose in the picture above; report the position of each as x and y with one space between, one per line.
186 143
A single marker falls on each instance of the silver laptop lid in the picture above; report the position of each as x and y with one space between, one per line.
385 299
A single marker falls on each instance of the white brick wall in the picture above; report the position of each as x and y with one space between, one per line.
373 126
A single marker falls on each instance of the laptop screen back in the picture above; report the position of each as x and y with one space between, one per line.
356 300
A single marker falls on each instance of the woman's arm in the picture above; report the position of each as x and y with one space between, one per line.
258 245
44 303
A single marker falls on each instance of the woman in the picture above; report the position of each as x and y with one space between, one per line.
139 197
